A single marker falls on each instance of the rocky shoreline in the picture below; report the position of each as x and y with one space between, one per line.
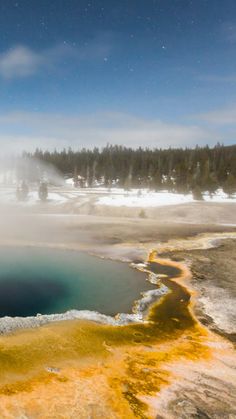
213 278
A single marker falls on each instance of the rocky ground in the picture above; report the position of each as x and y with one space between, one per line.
214 279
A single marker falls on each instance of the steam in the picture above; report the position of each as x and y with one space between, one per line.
14 170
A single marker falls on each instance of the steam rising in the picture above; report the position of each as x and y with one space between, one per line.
31 170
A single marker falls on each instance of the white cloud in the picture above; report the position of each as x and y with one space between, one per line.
29 130
21 61
225 116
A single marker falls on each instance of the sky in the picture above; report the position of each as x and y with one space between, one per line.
152 73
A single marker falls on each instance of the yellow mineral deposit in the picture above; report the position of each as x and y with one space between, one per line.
107 371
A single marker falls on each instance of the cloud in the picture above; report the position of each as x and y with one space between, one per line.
21 61
230 78
225 116
26 130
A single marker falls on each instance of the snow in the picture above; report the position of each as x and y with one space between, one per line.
114 197
157 199
145 200
220 196
70 181
57 198
8 195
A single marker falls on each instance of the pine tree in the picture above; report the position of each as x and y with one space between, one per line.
197 193
179 169
229 186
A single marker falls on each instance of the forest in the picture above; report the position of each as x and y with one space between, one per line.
202 169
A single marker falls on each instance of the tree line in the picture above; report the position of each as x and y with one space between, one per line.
202 169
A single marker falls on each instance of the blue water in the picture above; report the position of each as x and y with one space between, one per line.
46 281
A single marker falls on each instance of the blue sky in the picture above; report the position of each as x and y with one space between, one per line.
82 73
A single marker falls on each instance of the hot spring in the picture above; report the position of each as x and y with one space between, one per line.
47 281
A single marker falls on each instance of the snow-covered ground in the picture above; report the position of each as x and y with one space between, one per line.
115 197
9 196
145 198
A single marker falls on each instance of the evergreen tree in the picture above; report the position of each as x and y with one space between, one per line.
229 186
179 170
197 193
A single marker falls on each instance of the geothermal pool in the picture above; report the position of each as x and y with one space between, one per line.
47 281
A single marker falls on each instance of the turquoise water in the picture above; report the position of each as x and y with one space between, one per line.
46 281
